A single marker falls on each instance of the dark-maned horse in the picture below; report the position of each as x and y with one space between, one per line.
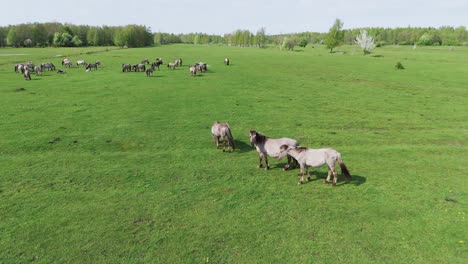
226 61
139 67
126 68
316 158
224 131
27 75
271 147
156 64
49 66
145 61
149 72
91 66
201 66
178 62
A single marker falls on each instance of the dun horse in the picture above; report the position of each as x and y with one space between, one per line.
224 131
271 147
316 158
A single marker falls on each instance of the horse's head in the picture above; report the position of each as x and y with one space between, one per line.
253 137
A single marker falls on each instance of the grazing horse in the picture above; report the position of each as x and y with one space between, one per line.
68 64
38 70
156 64
171 65
139 67
193 70
201 66
149 72
224 131
178 62
226 61
91 66
65 61
19 68
126 67
80 62
271 147
316 158
49 66
145 61
27 75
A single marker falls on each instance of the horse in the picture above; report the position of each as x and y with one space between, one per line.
68 64
91 66
61 72
65 61
49 66
226 61
149 72
178 62
139 67
193 70
126 67
201 66
156 64
38 70
160 60
271 147
316 158
27 75
145 61
171 65
18 67
224 131
80 62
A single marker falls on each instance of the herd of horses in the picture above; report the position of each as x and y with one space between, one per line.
285 147
144 66
28 67
149 67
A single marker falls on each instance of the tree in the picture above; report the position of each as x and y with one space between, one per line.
261 37
303 42
335 35
365 41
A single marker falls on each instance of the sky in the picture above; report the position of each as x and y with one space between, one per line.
221 16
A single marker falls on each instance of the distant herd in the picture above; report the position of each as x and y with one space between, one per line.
144 66
285 147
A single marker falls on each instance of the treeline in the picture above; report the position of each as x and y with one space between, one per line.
67 35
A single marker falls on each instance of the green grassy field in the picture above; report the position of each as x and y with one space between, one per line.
115 167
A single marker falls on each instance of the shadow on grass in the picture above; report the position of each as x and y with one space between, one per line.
321 176
243 147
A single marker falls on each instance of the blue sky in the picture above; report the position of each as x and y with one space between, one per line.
220 16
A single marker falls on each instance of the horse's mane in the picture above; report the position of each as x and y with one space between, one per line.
301 149
260 137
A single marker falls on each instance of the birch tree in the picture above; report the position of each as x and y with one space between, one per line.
365 41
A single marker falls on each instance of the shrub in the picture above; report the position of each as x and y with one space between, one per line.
399 66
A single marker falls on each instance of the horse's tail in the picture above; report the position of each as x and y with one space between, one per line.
230 138
344 170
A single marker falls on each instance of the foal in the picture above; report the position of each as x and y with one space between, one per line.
316 158
224 131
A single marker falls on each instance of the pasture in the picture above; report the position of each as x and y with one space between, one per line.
107 166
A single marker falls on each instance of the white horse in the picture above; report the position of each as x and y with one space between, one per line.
316 158
80 62
271 147
193 70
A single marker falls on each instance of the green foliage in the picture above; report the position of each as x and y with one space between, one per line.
399 66
335 35
303 42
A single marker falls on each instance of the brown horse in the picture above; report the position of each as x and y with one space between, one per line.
224 131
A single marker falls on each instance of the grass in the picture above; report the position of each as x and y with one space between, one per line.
106 166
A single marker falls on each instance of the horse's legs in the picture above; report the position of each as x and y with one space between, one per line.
286 167
335 176
308 173
224 143
266 163
301 173
328 176
216 140
260 156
